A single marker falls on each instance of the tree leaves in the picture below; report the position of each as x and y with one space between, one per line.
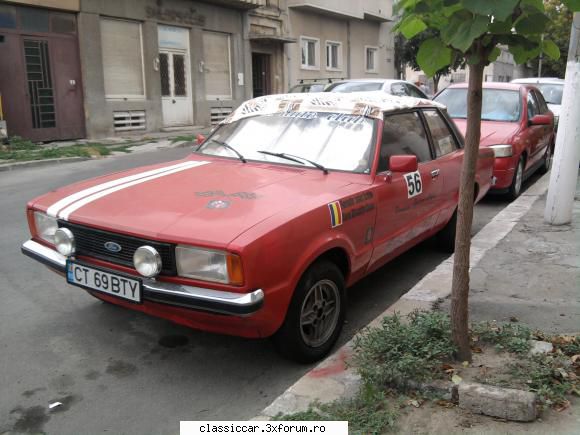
500 9
463 29
411 26
433 55
551 49
532 24
494 54
573 5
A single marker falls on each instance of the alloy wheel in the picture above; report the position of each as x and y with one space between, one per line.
320 312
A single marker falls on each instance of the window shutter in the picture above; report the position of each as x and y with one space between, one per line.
216 51
122 58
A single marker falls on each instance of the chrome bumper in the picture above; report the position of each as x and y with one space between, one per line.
197 298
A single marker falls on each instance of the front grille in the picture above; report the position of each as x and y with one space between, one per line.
91 243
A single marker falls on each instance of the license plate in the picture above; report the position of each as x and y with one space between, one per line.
121 286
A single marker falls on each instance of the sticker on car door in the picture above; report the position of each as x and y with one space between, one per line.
414 184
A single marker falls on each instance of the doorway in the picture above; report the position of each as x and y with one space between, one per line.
261 74
174 72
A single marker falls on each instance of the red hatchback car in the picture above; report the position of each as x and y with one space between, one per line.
258 233
516 123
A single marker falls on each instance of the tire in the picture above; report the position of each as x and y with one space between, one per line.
308 338
516 187
547 161
445 238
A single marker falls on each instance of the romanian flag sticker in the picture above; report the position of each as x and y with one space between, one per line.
335 214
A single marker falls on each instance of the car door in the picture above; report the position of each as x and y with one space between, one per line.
407 204
534 133
449 156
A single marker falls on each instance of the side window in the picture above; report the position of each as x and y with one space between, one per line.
403 134
443 139
414 92
398 89
533 108
542 103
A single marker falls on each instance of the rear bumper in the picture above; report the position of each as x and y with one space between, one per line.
195 298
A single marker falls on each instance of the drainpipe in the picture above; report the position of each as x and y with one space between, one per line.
348 52
562 189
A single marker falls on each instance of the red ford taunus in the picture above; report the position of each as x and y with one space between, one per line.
259 231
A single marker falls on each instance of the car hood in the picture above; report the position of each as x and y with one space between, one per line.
206 202
492 132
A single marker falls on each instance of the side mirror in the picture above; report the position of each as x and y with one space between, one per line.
406 163
199 139
541 120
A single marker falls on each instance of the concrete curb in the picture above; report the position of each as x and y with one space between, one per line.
38 163
333 379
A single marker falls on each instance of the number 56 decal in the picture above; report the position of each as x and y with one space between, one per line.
414 184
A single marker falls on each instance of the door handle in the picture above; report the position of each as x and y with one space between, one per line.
434 173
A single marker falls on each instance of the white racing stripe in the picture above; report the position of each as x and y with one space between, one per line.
65 202
65 213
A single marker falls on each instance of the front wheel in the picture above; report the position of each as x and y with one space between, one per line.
315 316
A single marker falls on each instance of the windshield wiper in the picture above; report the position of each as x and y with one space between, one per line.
295 159
231 148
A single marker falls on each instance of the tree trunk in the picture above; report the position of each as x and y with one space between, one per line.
436 79
460 285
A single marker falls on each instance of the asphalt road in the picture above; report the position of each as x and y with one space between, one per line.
121 372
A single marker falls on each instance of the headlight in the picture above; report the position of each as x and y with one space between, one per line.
147 261
45 226
208 265
502 150
64 241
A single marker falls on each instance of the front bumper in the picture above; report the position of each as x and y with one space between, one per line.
196 298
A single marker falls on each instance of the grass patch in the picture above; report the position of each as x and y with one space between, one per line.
370 412
511 337
18 149
185 138
399 351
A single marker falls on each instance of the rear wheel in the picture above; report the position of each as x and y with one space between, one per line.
445 238
315 316
516 187
548 157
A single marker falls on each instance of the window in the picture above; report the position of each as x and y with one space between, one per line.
217 66
497 104
403 134
122 59
398 89
443 139
541 102
371 55
533 108
309 52
333 55
414 92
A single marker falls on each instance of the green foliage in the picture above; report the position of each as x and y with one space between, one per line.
473 29
400 351
550 376
512 337
370 412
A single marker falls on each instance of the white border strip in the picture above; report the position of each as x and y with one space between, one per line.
64 214
66 201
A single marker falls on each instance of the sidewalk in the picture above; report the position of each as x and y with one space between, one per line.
522 270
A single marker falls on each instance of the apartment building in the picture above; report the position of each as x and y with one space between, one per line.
96 68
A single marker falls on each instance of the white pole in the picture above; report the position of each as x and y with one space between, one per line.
564 173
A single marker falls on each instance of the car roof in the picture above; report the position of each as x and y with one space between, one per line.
368 104
492 85
369 81
532 80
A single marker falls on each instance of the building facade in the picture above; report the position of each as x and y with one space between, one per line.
97 68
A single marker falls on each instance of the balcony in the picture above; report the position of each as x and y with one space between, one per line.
373 10
238 4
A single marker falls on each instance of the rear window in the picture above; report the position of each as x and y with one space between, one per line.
355 87
498 104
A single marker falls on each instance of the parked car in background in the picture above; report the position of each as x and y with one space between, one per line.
515 122
311 85
552 90
400 88
258 233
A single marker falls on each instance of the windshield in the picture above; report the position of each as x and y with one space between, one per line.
497 105
346 87
552 92
335 141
